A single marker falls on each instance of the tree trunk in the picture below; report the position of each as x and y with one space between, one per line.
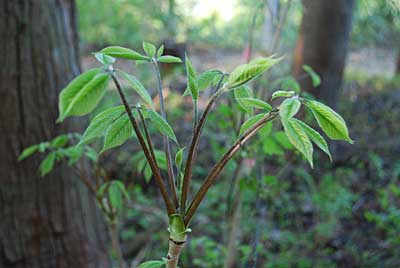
50 221
323 44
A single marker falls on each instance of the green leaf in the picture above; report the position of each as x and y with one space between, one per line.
289 108
179 157
161 125
118 133
205 80
47 164
160 51
116 195
74 153
28 152
315 137
192 79
250 122
104 59
139 89
123 53
72 89
330 122
43 146
316 80
246 72
60 141
298 138
256 103
240 93
151 264
100 123
91 153
83 94
169 59
282 94
149 48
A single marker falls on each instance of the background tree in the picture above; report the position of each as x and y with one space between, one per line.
322 44
50 221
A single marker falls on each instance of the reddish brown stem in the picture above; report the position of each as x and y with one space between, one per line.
153 165
192 153
217 169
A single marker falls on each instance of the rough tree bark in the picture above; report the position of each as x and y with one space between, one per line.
50 221
323 44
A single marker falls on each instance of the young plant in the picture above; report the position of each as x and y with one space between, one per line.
108 194
118 124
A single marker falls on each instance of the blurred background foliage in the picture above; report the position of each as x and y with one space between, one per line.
340 214
219 23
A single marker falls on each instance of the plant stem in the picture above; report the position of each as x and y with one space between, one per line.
167 146
195 114
116 244
147 135
174 251
153 165
217 169
192 152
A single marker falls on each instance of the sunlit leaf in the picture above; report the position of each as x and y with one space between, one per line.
250 122
298 138
100 123
289 108
169 59
315 137
246 72
123 53
139 88
240 93
205 80
118 133
160 51
104 58
192 79
161 125
282 94
330 121
149 48
256 103
83 94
